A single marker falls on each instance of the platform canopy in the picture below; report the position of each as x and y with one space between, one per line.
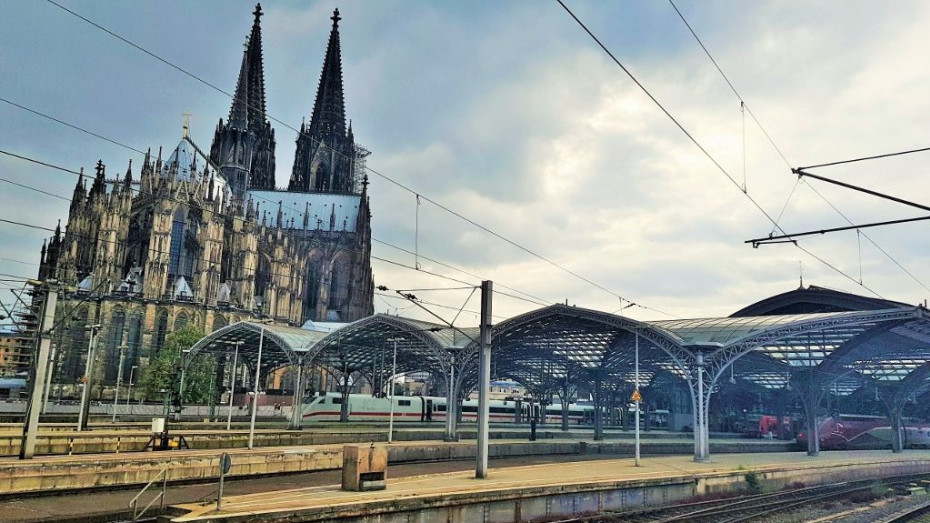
281 345
367 345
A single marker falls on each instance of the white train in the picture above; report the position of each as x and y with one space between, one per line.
363 407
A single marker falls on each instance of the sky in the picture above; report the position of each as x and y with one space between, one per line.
511 115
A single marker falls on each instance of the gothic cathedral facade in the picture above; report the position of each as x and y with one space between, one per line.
208 239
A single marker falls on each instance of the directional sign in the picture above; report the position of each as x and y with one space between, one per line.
225 463
636 396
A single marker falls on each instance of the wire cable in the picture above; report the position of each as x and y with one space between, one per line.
697 144
203 260
866 158
787 163
373 171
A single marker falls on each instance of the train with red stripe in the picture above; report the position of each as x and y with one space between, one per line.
364 407
855 431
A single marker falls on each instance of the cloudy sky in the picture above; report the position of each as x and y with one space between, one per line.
508 113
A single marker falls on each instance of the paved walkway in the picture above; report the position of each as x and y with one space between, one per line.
526 479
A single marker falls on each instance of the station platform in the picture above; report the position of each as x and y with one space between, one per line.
63 439
547 491
95 471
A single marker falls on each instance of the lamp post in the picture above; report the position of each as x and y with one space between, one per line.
132 371
119 379
391 396
232 382
390 438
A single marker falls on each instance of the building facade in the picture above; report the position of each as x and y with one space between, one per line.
208 239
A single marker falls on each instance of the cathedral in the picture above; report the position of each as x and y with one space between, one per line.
208 239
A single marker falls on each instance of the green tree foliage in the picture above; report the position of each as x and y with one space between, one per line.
164 371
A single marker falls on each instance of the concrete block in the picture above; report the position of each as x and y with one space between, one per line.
364 467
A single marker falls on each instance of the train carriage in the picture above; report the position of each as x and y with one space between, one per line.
366 408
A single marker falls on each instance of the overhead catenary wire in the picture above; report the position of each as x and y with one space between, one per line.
778 150
368 168
700 147
419 269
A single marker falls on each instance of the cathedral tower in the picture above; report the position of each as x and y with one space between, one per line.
243 146
325 149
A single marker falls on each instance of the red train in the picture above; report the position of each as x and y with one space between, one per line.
855 431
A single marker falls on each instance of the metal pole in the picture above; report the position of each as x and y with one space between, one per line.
39 368
297 412
119 379
393 377
84 413
636 380
484 381
701 419
451 403
48 378
232 385
258 369
219 498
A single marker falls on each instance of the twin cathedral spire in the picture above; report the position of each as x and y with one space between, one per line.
243 145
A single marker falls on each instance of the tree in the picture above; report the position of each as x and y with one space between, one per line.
164 370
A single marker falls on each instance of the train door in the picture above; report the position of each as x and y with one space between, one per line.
429 410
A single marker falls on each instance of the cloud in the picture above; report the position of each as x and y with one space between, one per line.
510 115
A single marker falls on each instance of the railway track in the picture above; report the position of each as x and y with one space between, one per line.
920 513
746 508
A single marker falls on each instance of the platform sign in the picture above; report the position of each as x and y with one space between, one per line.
225 463
636 396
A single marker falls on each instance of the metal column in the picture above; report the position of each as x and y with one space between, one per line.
258 370
39 369
484 380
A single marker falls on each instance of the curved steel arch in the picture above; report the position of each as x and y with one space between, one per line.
720 356
424 344
284 346
658 337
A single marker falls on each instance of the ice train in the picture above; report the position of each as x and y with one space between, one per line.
363 407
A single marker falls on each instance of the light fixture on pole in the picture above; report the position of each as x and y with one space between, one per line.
132 371
390 437
119 379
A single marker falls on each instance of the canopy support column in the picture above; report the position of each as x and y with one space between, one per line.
297 409
701 433
811 392
598 409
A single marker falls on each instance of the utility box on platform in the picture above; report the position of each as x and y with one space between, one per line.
364 467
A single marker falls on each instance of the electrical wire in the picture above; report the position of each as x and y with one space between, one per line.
866 158
255 196
373 171
785 159
697 144
272 273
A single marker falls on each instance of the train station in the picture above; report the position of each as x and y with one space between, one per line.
577 372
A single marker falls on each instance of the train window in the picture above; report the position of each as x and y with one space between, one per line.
439 408
337 401
403 403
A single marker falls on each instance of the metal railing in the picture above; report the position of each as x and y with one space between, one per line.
160 497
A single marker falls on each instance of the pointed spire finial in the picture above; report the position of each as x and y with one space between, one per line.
258 12
335 18
185 130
